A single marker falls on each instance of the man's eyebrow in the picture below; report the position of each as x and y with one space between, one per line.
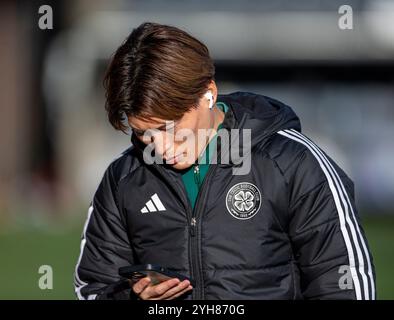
157 128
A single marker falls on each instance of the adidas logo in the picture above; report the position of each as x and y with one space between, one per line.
153 205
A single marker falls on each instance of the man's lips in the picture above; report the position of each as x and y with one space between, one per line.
173 159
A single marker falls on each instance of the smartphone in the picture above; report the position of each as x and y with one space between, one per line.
156 273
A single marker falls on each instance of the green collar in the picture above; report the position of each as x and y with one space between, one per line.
193 176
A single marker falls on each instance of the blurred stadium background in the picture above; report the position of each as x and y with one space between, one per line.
56 141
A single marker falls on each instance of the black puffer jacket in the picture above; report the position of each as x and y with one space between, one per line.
288 229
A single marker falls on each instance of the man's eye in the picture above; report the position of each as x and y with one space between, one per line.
138 133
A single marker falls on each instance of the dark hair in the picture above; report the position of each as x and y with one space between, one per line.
158 71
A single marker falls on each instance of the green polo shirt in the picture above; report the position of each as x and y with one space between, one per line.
193 176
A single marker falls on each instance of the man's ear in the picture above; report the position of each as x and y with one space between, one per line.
213 88
209 96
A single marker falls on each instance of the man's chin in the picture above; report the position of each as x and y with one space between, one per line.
181 165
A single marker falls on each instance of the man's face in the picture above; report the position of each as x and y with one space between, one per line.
178 142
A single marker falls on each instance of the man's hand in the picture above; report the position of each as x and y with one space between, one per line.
166 290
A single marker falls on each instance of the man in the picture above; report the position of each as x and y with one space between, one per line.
284 226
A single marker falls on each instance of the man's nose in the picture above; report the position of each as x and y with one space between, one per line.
162 144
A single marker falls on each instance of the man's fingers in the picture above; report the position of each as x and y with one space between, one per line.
159 289
188 288
181 286
141 285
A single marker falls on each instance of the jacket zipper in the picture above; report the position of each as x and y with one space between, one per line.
195 239
192 226
197 293
197 178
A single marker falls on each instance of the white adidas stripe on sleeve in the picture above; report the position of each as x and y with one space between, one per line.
79 284
339 193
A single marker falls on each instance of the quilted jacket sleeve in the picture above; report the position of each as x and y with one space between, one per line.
104 247
329 243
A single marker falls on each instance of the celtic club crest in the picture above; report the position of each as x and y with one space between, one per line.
243 200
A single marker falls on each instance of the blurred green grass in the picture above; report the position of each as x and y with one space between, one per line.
380 235
24 250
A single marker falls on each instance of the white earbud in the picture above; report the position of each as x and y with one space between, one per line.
209 96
